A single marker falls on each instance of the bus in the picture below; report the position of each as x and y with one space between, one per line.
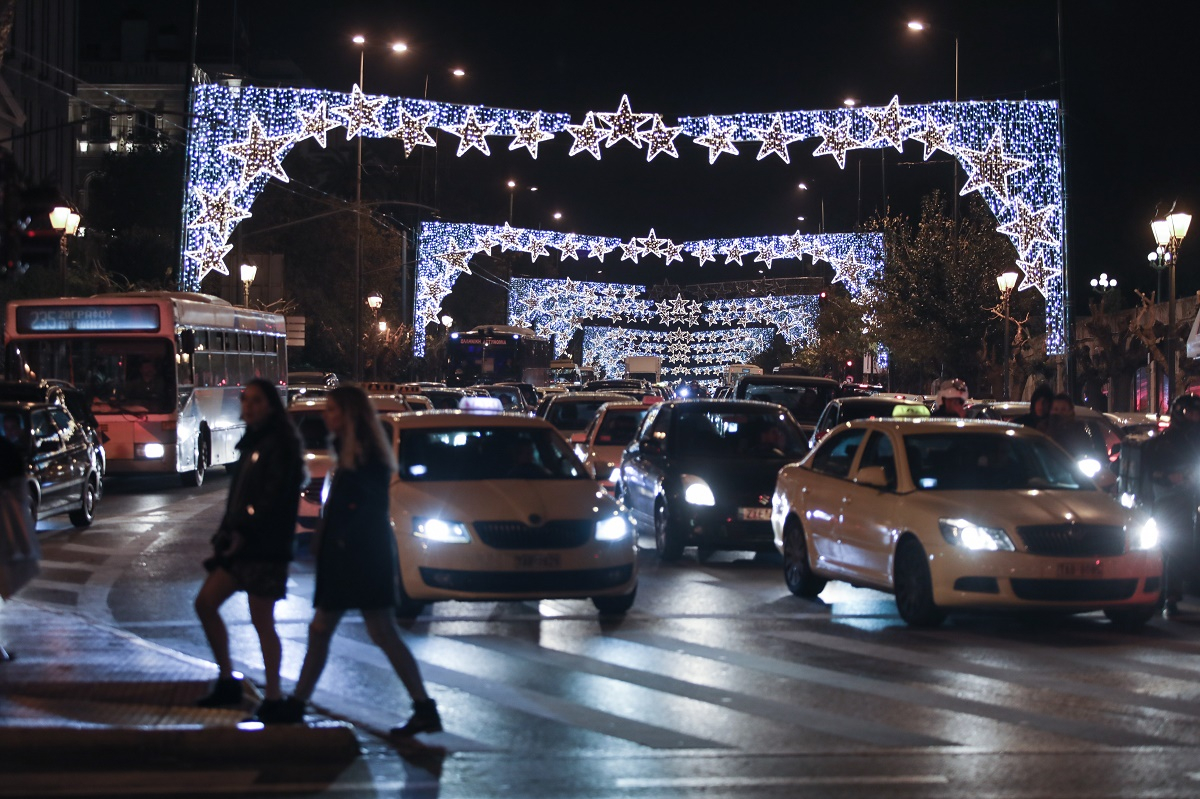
734 372
497 354
163 371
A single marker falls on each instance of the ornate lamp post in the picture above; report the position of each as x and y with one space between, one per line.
1006 281
1103 284
248 273
375 302
64 219
1168 234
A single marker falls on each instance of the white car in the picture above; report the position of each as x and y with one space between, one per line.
601 445
491 507
952 514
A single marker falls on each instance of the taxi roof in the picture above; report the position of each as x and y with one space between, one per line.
451 418
939 425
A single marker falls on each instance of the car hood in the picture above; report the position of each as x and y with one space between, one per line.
503 500
606 454
739 475
1011 509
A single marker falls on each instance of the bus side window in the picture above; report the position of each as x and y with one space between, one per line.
184 363
216 362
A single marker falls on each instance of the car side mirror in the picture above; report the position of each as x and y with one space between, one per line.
874 476
578 438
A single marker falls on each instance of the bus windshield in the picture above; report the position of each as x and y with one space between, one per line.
117 375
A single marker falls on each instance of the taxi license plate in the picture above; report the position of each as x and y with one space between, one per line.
1075 570
754 514
547 561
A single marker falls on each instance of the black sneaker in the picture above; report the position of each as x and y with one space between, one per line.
225 692
279 711
425 718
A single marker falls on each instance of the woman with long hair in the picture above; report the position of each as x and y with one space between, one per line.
253 546
357 560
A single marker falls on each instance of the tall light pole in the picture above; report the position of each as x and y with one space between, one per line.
65 220
247 272
918 26
1168 234
1006 282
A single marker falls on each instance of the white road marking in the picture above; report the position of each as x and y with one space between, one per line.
763 782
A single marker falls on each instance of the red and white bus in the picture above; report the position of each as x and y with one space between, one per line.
163 371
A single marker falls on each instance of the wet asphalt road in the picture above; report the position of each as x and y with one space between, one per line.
718 683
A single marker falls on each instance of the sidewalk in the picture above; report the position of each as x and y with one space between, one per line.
79 694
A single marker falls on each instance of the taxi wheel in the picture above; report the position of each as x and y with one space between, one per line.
666 538
83 515
797 573
1131 619
914 587
615 605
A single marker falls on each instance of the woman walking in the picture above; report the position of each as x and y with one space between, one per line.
253 546
357 561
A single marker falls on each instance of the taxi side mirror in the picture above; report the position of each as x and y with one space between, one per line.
875 476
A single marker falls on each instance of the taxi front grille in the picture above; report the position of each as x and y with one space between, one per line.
1073 540
1074 590
565 534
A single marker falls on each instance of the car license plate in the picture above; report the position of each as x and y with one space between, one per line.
754 514
540 561
1076 570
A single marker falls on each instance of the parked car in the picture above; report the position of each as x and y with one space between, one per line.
606 437
804 397
60 459
844 409
949 515
492 507
701 472
74 399
571 413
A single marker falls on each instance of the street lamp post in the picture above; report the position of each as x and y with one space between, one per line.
64 219
375 302
1006 282
1168 234
247 273
919 27
1103 284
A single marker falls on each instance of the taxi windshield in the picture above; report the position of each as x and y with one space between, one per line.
966 461
476 453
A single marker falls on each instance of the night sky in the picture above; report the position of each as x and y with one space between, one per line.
1130 143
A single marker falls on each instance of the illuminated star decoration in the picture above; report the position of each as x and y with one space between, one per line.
793 246
484 243
660 139
598 249
935 137
704 253
472 134
632 251
718 140
412 131
856 275
735 253
509 239
774 139
456 258
672 252
260 153
360 113
890 124
315 124
836 141
219 211
653 244
1035 275
623 124
766 255
1028 227
210 257
569 247
587 137
529 135
537 247
991 167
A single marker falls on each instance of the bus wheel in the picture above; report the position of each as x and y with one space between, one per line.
195 478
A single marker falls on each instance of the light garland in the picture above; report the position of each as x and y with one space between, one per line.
1009 150
684 353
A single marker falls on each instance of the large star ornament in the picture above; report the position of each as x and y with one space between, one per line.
259 154
360 113
1029 226
991 167
836 141
718 139
472 134
774 139
315 124
890 124
935 137
704 253
529 135
412 131
455 258
210 257
623 124
587 136
1035 275
219 211
660 139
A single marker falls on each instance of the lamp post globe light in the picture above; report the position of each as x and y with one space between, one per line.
1168 235
64 219
1103 283
1006 281
247 272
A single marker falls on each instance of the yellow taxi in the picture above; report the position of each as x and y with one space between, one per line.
949 514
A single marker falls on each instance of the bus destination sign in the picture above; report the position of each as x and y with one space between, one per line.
87 319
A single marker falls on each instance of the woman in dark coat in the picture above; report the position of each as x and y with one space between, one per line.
253 546
357 561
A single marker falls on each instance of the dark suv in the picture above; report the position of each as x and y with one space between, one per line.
59 456
59 392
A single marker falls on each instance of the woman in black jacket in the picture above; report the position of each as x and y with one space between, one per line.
253 546
357 560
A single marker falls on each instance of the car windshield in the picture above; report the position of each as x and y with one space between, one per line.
617 428
444 400
805 402
481 453
574 414
966 461
312 429
135 374
737 433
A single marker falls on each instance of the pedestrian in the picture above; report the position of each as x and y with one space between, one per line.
19 553
253 545
1171 462
357 559
1039 408
952 399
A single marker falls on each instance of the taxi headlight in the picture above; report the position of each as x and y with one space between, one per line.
152 450
696 491
442 531
966 534
611 529
1089 466
1145 536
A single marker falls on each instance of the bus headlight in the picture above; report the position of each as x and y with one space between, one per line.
611 529
438 530
153 450
1145 536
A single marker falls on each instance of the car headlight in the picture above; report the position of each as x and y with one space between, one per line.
151 450
969 535
696 491
442 531
611 529
615 475
1145 536
1089 466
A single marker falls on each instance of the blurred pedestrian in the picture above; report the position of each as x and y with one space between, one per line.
1171 459
19 553
253 545
1039 408
357 559
952 399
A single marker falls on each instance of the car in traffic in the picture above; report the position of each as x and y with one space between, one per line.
497 507
606 437
59 458
1093 423
74 399
701 473
952 515
570 413
804 397
845 409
